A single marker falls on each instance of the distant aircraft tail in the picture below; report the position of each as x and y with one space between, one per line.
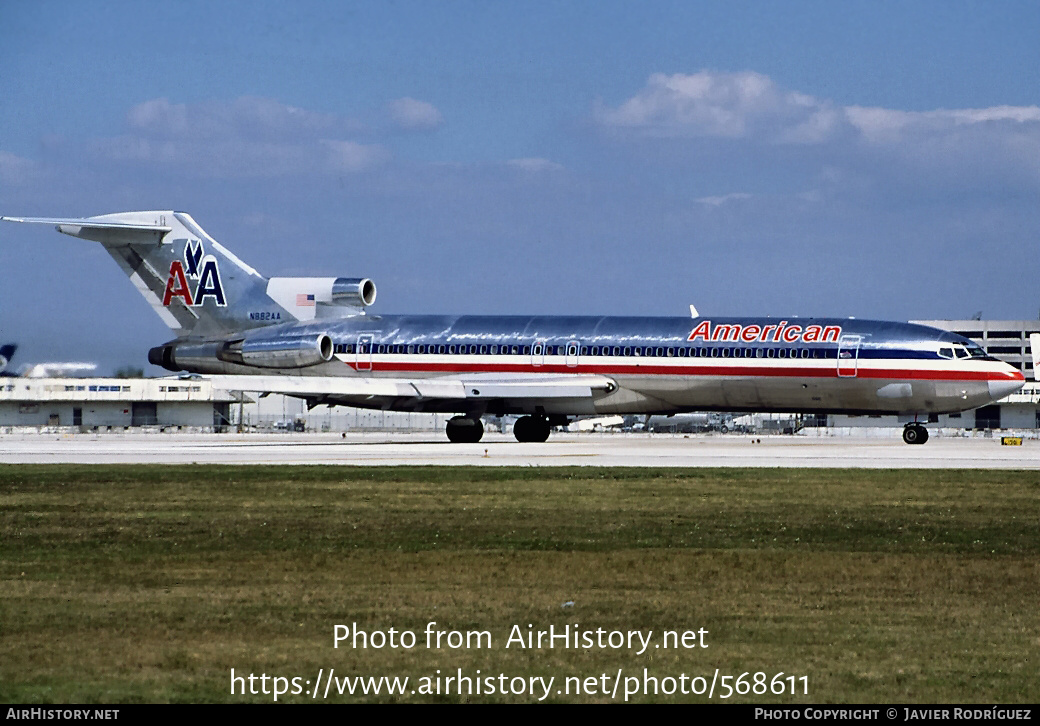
199 288
6 353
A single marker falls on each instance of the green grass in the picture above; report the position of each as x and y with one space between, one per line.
139 583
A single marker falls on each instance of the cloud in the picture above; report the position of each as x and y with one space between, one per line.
412 115
720 200
350 156
726 105
15 171
247 137
752 106
974 148
534 165
247 117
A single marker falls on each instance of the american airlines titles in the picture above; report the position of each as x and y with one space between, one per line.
779 333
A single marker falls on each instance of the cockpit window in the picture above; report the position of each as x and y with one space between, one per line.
976 351
945 352
961 351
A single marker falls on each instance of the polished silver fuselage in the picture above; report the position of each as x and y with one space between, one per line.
667 365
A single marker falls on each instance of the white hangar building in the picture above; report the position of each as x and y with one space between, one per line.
113 403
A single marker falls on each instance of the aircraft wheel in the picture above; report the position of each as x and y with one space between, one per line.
464 430
915 434
541 430
531 429
522 428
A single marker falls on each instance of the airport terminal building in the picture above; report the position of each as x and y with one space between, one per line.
113 403
191 404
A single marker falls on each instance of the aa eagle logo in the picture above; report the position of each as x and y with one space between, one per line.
198 267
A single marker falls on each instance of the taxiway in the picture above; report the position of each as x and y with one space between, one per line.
411 449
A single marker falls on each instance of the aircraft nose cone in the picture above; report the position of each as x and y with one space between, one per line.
1005 387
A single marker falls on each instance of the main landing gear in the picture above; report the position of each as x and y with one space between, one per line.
468 430
464 430
531 428
915 433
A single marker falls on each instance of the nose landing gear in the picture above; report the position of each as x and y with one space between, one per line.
915 433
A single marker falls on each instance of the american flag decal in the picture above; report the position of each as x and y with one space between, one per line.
305 301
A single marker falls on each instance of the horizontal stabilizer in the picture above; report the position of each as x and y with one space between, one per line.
88 223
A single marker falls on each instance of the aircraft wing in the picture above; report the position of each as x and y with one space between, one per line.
460 393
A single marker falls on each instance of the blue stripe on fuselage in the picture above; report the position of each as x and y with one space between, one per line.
879 339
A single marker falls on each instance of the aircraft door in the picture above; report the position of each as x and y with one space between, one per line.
364 352
538 353
848 356
572 353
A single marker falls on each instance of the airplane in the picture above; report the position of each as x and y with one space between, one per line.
6 353
313 338
56 370
39 370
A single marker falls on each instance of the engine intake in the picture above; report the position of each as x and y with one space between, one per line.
308 298
353 291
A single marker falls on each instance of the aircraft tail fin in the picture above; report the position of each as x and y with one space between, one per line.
6 353
199 288
194 284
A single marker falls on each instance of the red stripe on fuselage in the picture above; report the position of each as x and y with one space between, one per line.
683 370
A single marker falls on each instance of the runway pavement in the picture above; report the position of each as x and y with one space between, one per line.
399 449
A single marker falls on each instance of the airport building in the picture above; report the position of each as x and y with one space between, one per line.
113 403
180 404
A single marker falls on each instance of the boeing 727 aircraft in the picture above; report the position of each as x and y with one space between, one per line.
313 338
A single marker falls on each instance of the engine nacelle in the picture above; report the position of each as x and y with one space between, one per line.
284 352
354 291
308 298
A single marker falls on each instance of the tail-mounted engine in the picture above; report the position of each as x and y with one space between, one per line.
258 351
308 298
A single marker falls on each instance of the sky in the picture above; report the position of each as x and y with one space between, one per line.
869 159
